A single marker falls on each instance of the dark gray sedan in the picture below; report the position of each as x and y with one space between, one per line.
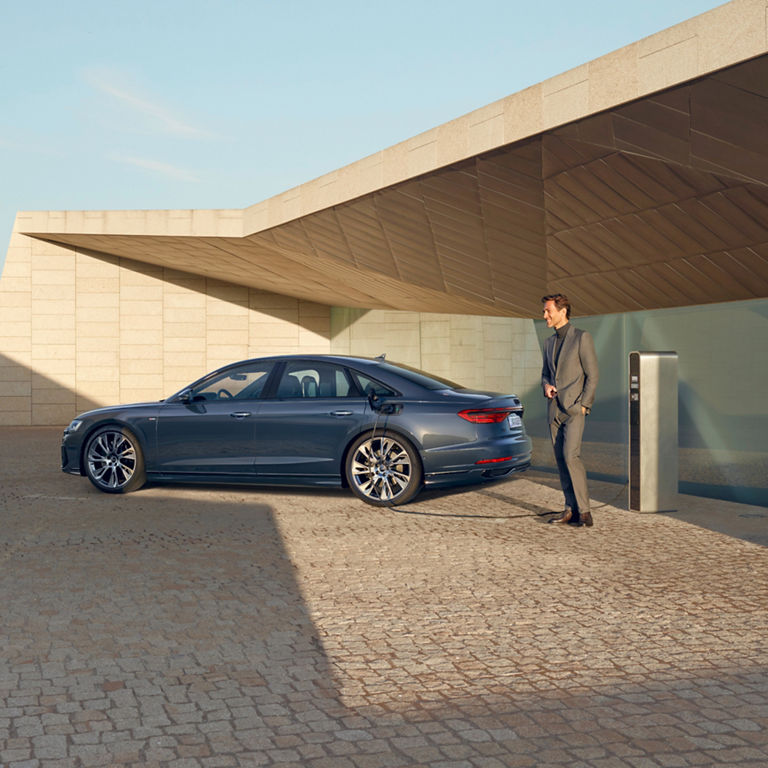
382 429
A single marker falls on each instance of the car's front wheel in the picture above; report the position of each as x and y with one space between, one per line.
383 470
114 462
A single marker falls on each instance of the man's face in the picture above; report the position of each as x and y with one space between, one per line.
555 317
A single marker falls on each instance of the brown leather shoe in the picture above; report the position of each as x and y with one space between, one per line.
585 518
564 517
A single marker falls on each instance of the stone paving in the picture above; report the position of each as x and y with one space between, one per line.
224 626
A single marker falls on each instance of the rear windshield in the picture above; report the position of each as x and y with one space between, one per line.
426 380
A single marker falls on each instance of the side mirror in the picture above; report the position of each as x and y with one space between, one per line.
185 396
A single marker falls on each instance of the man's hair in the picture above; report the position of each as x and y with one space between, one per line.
561 300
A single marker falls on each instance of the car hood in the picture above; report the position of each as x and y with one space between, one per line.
99 412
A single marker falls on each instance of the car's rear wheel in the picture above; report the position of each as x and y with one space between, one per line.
383 470
114 462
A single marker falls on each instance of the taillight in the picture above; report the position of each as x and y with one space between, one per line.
486 415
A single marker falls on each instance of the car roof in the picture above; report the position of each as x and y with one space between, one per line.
320 357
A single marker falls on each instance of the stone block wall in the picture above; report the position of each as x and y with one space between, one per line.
499 354
78 332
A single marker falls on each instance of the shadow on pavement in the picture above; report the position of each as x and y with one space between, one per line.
202 626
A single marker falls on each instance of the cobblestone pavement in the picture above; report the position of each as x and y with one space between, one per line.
211 626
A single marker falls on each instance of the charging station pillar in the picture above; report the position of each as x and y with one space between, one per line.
653 470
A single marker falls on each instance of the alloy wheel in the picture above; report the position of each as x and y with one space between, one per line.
383 470
111 460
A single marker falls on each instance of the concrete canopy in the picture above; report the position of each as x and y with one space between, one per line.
639 181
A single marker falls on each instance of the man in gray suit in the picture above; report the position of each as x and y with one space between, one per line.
569 379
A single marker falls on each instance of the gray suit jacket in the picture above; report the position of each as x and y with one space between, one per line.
576 374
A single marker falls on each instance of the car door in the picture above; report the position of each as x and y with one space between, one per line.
209 429
301 430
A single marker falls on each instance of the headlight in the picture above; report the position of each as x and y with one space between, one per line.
74 425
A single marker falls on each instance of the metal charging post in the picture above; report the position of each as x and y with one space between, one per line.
653 462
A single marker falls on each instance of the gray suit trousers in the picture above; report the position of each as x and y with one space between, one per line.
566 429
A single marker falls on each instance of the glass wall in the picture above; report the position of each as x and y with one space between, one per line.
722 392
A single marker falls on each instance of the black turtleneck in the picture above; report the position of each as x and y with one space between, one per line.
561 331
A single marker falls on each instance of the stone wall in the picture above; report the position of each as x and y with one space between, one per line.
500 354
78 332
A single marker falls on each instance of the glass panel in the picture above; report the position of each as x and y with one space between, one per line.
304 380
368 385
722 419
245 382
343 387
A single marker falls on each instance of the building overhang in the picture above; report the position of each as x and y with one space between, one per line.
638 181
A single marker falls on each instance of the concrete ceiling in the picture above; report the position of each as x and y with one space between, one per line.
660 202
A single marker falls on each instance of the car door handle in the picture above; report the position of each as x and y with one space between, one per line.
240 414
340 413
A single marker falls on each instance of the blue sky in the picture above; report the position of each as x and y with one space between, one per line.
122 104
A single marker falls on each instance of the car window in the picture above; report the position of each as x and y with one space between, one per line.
344 387
246 382
302 379
368 385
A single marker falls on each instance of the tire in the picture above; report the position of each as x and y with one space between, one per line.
383 469
114 461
